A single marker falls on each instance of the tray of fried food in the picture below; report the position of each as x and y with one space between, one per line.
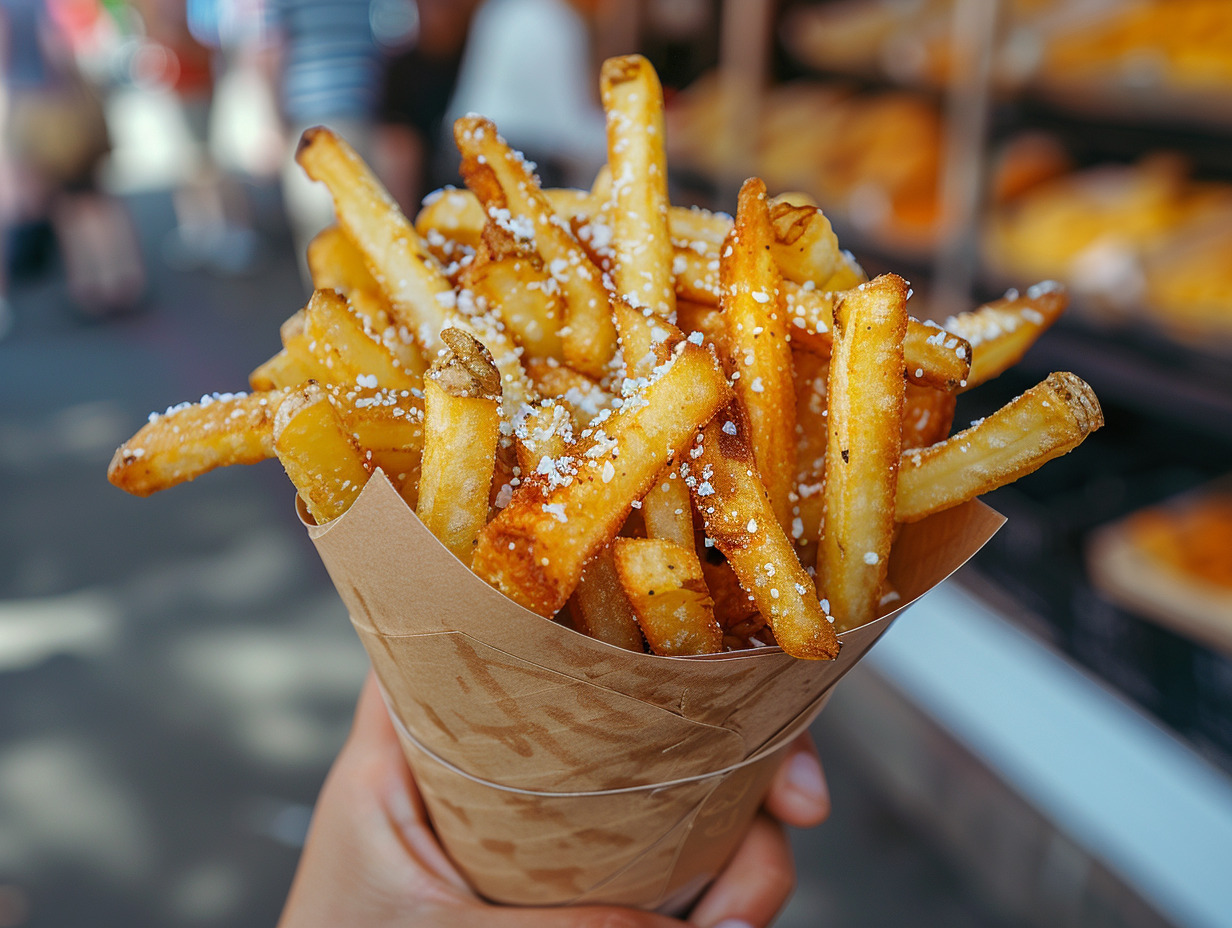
677 430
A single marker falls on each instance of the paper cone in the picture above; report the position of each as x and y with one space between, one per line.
559 769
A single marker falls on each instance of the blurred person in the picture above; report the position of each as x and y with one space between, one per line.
411 152
529 68
327 66
372 861
54 137
212 223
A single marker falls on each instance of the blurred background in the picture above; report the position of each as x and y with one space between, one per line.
1044 740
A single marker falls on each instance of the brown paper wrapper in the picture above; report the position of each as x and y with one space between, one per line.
558 769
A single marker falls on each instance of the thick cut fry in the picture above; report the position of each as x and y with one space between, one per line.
760 353
934 357
334 263
585 398
191 439
451 213
397 258
318 455
668 511
462 395
641 242
282 370
534 550
544 430
455 214
513 280
697 276
350 352
865 413
509 192
644 345
1001 332
734 609
812 372
927 416
1045 422
388 427
732 501
848 274
663 582
804 245
698 317
601 609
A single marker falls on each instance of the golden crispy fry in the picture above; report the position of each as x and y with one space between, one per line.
734 609
462 396
282 370
334 263
372 307
633 102
453 214
759 351
849 274
421 298
803 244
663 582
509 192
697 276
1001 332
927 416
388 426
692 226
544 430
732 501
350 352
934 357
410 277
1043 423
865 413
812 371
191 439
601 609
644 345
585 398
318 455
534 550
668 511
514 281
452 218
698 317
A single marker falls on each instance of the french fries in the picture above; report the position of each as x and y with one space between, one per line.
508 189
462 397
600 607
641 242
395 255
334 263
322 460
735 507
757 344
1047 421
191 439
1000 332
665 586
556 380
536 547
865 401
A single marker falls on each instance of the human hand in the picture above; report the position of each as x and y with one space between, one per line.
372 860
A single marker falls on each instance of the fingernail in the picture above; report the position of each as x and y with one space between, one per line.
733 923
804 776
